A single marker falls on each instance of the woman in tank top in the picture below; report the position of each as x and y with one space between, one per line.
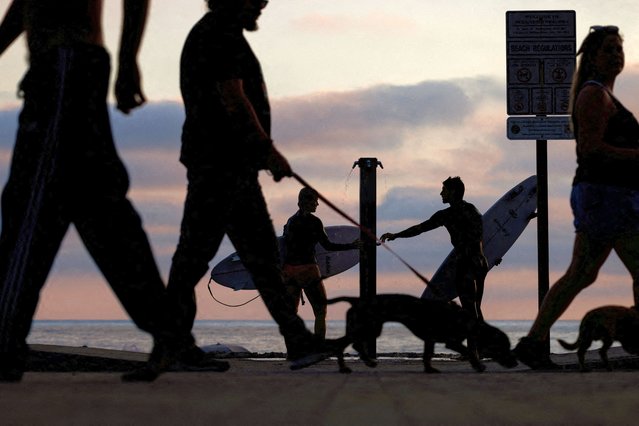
605 192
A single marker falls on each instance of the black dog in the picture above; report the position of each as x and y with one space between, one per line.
607 323
430 320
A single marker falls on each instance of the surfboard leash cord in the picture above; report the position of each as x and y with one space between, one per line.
367 232
227 304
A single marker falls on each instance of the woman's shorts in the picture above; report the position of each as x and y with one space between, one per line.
605 212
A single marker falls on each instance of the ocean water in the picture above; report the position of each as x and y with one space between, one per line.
255 336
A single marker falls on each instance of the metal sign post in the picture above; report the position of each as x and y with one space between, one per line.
540 55
543 257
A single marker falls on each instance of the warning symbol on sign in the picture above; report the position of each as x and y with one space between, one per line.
559 75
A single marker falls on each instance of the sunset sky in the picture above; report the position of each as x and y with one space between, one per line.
420 85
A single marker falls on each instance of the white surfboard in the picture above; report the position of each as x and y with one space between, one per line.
503 224
230 272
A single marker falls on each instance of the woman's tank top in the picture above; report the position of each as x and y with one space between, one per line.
623 132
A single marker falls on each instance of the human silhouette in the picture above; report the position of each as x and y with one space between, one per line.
65 170
225 142
302 232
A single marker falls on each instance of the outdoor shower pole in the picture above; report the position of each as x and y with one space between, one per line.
543 256
368 219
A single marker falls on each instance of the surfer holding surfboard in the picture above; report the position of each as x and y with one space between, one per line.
301 271
463 222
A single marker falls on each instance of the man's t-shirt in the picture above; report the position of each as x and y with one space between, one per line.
215 52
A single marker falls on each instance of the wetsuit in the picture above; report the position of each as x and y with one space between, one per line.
65 170
302 232
464 224
224 196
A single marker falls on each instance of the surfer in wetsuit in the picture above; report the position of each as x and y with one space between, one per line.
65 169
463 222
225 143
302 232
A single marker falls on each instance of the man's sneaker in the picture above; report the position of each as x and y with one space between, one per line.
143 374
161 358
308 359
533 354
195 359
9 375
313 352
11 367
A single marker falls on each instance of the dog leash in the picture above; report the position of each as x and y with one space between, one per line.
367 232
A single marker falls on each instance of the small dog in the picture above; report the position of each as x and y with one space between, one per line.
430 320
607 323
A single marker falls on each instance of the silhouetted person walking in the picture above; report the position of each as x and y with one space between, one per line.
65 170
605 189
225 142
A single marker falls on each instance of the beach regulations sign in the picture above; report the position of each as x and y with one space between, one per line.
540 57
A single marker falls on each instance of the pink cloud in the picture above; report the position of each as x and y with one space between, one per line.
370 23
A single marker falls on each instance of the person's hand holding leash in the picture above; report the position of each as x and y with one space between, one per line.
389 236
278 165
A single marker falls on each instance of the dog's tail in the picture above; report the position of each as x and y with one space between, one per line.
569 346
351 300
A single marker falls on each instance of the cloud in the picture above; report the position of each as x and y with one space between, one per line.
413 203
422 133
372 24
379 117
155 125
8 127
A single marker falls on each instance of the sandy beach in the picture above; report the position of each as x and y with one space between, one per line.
83 386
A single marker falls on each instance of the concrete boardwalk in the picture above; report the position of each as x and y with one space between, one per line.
266 392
